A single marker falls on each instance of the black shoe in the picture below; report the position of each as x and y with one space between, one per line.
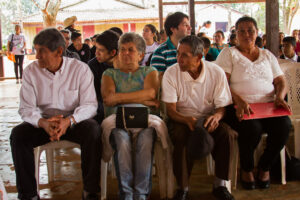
221 193
248 185
90 196
263 184
32 198
181 195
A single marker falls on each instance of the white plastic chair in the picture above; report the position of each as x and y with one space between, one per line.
3 194
164 172
292 74
233 179
259 151
49 148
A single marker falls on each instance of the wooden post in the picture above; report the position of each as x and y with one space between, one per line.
1 58
160 14
272 26
192 15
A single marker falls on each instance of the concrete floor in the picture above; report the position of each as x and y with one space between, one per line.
67 184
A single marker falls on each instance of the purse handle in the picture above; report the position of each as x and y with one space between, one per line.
123 117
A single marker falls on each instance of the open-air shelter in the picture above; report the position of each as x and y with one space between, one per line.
272 19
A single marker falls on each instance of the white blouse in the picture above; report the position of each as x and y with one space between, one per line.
253 81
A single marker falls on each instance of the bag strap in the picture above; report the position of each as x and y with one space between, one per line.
12 37
124 120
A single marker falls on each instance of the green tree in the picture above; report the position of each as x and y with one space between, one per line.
9 14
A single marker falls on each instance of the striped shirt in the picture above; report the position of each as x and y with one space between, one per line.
164 56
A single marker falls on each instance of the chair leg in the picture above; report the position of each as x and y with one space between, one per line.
297 138
283 166
103 179
235 162
50 164
210 165
161 170
37 154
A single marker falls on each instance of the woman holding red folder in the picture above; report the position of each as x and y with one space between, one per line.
254 76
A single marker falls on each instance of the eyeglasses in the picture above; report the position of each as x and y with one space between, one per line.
249 31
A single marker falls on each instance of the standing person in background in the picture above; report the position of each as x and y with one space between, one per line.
206 28
83 50
18 49
150 37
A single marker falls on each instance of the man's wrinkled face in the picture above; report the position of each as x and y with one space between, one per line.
46 58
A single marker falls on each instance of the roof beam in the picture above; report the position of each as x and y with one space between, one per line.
132 3
212 2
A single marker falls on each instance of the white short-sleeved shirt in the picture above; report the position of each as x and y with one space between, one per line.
253 81
149 50
196 98
18 43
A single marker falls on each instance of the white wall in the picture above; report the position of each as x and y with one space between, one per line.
296 22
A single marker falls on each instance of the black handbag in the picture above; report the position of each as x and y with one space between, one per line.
11 45
132 117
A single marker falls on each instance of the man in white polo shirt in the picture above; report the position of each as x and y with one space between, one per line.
195 92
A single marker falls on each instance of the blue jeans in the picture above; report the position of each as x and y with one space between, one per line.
133 164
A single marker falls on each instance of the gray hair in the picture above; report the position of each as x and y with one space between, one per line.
50 38
196 44
66 31
138 40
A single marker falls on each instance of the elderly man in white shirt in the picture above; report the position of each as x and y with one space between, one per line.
57 102
195 93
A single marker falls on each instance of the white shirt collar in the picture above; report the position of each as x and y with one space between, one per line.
295 58
200 79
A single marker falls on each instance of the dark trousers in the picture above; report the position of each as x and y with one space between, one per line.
249 135
222 152
25 137
19 65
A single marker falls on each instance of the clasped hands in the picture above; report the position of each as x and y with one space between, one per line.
55 126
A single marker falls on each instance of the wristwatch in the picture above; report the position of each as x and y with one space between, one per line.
72 121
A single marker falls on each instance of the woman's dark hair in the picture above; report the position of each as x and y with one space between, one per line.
232 36
173 21
109 39
117 30
245 19
221 32
153 30
259 42
206 42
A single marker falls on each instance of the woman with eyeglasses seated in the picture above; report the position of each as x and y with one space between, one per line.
137 86
254 76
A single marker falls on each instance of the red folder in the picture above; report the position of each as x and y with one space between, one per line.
266 110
